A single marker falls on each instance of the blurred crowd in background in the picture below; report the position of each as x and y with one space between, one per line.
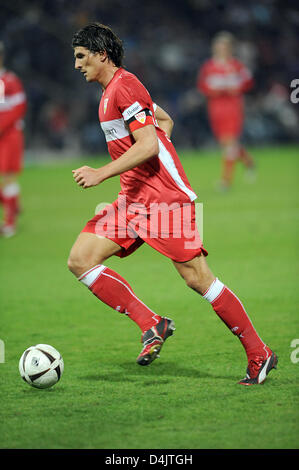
165 43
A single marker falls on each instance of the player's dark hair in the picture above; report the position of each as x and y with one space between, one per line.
97 37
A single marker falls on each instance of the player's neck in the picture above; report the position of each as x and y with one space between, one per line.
108 75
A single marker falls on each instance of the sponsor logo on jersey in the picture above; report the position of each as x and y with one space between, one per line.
110 132
132 110
114 129
141 117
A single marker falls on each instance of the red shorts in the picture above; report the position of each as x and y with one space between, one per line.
172 232
226 118
229 129
11 152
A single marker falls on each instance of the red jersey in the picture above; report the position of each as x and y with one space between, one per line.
126 106
223 83
12 103
217 78
12 111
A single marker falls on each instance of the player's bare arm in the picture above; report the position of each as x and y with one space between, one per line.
145 147
164 120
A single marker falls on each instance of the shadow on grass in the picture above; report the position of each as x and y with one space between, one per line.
158 373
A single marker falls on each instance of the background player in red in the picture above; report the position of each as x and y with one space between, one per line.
150 172
12 111
223 80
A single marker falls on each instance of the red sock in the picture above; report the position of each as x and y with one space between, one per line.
231 311
246 157
114 291
228 170
10 206
10 201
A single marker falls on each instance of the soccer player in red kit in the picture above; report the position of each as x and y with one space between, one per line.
12 111
154 187
223 80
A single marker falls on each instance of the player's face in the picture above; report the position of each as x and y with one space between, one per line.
223 48
89 63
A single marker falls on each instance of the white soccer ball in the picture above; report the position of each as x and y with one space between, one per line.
41 366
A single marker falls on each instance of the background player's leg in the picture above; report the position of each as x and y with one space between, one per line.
85 261
247 160
230 152
10 193
225 303
245 157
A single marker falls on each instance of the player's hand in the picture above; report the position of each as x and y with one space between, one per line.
87 176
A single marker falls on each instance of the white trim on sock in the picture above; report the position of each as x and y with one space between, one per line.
214 290
89 277
11 190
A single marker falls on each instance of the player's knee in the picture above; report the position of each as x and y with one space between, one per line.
78 264
199 282
73 264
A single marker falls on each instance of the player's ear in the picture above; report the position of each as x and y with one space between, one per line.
103 56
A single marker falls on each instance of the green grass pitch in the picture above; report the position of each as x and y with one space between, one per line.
189 398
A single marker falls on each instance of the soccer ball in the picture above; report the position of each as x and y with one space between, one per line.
41 366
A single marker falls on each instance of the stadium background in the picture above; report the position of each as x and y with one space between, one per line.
165 44
189 399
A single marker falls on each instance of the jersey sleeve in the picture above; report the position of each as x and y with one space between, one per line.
135 103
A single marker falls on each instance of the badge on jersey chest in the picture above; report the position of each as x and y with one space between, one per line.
105 104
